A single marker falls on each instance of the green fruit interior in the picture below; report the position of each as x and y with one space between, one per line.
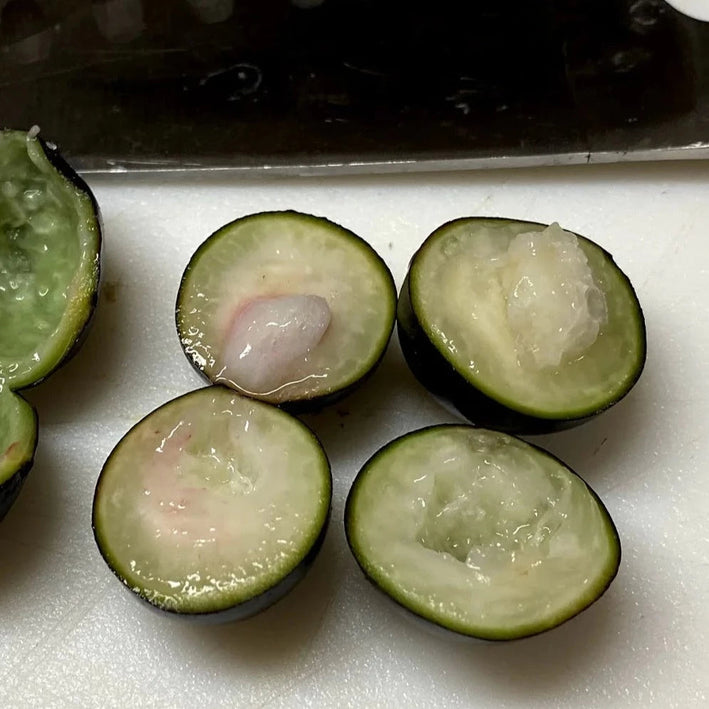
18 433
457 295
287 253
480 532
49 242
210 501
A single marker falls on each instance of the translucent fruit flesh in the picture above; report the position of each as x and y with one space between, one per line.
269 337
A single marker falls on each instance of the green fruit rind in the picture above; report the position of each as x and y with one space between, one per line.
213 506
471 376
480 533
50 247
287 253
50 243
18 442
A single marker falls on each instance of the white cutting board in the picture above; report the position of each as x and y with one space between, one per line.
72 636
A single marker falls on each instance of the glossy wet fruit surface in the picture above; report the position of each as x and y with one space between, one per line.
18 440
522 326
213 504
480 532
50 244
286 307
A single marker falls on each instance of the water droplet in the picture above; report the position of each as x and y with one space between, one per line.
33 199
644 14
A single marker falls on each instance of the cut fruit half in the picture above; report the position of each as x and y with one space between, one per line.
523 327
287 308
213 506
480 533
50 243
18 441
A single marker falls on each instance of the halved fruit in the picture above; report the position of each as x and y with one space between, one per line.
213 506
50 242
286 307
523 327
480 533
18 441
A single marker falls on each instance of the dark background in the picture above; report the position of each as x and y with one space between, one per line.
303 82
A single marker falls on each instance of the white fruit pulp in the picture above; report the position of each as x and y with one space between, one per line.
554 307
481 532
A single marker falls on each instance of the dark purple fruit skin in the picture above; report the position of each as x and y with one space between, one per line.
439 376
442 630
248 608
298 406
10 489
